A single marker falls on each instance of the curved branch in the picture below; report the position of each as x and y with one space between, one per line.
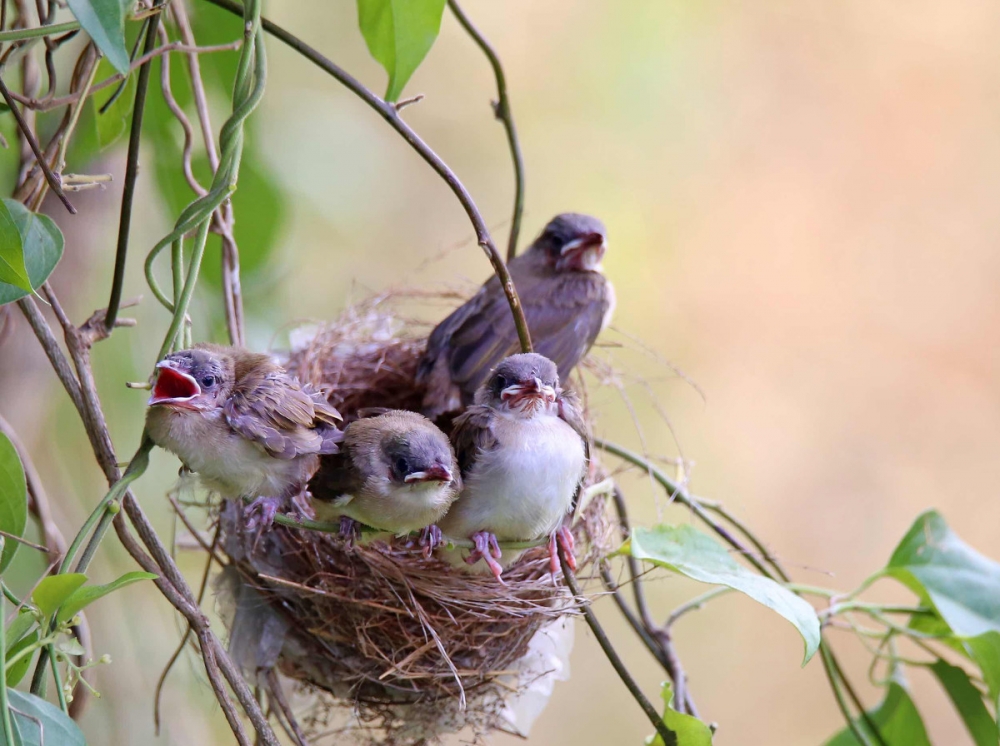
501 109
390 114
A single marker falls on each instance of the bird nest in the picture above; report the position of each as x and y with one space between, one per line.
405 646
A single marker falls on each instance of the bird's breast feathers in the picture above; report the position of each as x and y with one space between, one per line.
524 487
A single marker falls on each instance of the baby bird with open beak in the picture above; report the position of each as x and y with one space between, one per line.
244 425
567 301
522 449
395 472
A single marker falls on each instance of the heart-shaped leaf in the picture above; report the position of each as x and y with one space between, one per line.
959 582
104 21
34 716
690 731
685 550
399 34
53 591
897 719
13 499
82 597
42 242
968 701
12 269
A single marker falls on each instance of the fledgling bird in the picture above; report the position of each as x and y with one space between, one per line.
244 425
395 472
566 299
522 449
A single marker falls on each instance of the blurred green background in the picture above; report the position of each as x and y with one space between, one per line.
801 203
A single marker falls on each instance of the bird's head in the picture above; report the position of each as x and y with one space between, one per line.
420 456
196 379
573 242
523 384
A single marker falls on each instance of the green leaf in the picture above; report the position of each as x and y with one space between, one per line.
896 718
13 498
53 591
985 651
59 730
104 21
399 34
43 248
690 731
83 597
24 621
16 672
685 550
968 701
114 122
12 269
959 582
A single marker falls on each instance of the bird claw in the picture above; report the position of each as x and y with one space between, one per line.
561 537
350 530
488 550
261 512
430 539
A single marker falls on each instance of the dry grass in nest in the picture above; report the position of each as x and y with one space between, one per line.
415 646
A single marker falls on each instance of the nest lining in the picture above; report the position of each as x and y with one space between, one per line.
398 638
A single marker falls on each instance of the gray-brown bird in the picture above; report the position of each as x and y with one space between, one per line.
522 449
395 472
244 425
567 301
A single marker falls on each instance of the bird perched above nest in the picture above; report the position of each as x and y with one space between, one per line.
522 451
566 299
238 420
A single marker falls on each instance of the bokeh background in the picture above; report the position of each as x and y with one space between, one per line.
801 199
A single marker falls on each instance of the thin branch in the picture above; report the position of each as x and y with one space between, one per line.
50 177
668 736
501 109
131 173
391 116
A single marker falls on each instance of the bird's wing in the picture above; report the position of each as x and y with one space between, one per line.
286 419
565 313
571 413
336 477
472 435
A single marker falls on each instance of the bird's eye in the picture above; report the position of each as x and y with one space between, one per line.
402 467
501 382
208 381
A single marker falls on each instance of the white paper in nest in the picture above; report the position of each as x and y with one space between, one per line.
545 663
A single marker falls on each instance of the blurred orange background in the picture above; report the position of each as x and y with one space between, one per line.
801 200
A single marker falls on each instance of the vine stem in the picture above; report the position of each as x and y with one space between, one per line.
501 110
5 717
131 173
390 114
668 736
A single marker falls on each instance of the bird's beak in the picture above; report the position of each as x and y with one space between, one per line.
173 387
533 389
435 473
592 241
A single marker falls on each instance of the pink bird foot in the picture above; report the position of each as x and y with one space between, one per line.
561 537
430 539
350 530
488 550
261 512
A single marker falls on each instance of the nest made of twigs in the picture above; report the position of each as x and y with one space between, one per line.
399 637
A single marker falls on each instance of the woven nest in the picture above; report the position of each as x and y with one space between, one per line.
413 647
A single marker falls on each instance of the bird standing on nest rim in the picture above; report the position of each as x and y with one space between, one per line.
395 472
566 299
522 449
244 425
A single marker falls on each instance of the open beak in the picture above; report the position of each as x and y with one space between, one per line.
173 387
436 473
533 389
591 242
